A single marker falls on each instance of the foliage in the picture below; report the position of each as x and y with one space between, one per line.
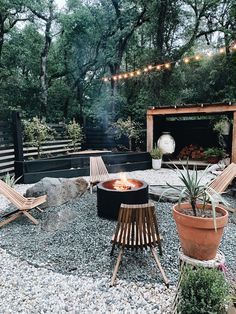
214 151
10 179
37 132
195 192
74 132
156 153
55 59
203 291
127 128
220 125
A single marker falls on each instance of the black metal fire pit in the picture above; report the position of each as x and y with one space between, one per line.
109 199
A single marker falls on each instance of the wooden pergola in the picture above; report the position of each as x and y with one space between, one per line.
199 109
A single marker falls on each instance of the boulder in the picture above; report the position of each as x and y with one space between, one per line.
58 190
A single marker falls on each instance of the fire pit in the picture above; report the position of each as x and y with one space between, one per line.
111 193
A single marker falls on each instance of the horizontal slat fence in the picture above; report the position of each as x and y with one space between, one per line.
6 148
59 146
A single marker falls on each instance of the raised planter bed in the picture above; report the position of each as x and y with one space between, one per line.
34 170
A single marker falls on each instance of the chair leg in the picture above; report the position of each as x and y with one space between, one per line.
35 221
39 209
11 213
117 266
160 267
12 218
112 250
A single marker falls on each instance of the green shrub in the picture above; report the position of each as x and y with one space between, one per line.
203 291
37 132
74 131
214 151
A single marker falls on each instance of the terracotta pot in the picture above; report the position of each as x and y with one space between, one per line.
197 235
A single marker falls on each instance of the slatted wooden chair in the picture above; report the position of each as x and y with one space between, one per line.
98 172
222 181
137 229
23 204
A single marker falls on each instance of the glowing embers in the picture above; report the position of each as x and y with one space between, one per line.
123 184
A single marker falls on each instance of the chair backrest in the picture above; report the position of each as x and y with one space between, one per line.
98 170
221 182
137 227
13 196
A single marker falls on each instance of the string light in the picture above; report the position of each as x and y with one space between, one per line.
158 67
186 60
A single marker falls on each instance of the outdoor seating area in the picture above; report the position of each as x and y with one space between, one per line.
71 245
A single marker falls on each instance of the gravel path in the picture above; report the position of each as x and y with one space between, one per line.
59 267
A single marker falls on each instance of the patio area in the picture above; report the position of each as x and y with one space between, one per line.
64 264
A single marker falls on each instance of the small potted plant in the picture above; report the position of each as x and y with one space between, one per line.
214 154
156 155
200 219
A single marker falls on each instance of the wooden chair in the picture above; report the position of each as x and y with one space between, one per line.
137 229
98 172
23 204
222 181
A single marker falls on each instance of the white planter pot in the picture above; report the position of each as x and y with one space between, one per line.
156 164
166 143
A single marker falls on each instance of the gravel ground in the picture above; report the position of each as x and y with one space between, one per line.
66 267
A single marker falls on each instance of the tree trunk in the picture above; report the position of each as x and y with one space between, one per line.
44 59
1 36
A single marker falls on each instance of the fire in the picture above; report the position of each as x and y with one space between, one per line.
123 183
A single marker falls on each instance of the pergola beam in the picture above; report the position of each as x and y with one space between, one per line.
189 110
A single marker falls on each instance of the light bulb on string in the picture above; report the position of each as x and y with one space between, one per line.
105 79
158 67
197 57
149 67
138 72
221 50
167 65
125 75
186 60
131 74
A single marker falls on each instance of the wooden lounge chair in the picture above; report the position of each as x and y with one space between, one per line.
23 204
137 229
98 172
221 182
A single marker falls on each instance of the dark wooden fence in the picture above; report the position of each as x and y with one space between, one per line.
11 132
6 148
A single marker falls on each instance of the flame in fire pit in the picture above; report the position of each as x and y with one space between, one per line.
123 184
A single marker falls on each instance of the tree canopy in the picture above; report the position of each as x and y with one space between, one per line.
52 61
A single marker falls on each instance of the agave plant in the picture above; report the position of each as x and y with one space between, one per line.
194 192
10 180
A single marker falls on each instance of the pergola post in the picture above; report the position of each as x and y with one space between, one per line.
149 132
234 138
